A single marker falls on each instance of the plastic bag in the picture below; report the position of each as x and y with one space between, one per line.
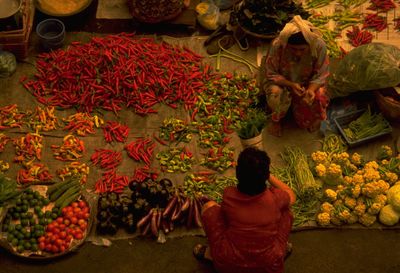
367 67
8 64
208 15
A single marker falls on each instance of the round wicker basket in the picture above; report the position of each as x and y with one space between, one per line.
388 102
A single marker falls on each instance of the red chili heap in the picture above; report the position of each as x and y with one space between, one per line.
119 70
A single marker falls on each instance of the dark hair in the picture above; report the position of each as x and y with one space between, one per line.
252 171
297 39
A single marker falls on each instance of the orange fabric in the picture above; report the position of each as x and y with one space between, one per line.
249 233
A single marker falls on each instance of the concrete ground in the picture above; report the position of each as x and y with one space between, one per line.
319 250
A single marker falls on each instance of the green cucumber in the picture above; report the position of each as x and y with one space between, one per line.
71 191
70 199
55 195
53 188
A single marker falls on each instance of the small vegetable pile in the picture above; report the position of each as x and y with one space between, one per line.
367 125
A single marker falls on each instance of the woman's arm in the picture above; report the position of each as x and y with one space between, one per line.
280 185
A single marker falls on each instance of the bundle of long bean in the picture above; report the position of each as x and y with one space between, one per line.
306 206
368 124
304 182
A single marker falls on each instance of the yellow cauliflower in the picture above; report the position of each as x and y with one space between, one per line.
380 198
319 157
348 180
356 191
375 208
352 219
371 174
358 179
391 178
334 170
371 189
371 165
320 170
367 219
385 152
326 207
350 202
330 194
323 219
356 159
344 215
359 209
335 220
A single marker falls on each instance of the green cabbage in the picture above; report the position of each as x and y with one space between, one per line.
388 216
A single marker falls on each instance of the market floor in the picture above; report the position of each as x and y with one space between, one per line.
322 251
315 251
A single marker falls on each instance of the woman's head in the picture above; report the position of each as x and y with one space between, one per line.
252 171
297 44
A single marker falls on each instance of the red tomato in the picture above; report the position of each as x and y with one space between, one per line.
83 226
55 249
53 238
49 234
64 210
86 216
42 246
74 204
85 209
62 226
70 214
74 220
50 227
82 204
63 234
77 210
56 230
80 221
62 248
60 220
78 235
59 242
41 239
48 247
67 222
69 238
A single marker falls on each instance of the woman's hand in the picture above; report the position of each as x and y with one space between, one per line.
277 79
309 96
298 89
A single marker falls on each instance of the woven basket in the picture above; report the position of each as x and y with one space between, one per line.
155 11
388 102
17 41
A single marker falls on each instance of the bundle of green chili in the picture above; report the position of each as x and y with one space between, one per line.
119 70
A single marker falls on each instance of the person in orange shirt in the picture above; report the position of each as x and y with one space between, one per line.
249 230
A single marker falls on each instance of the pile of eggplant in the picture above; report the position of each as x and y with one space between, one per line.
117 211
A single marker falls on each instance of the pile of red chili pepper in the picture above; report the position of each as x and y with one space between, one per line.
43 119
106 159
11 117
115 131
359 37
382 5
71 149
119 70
28 147
74 168
82 123
3 141
111 182
34 172
144 173
141 149
375 21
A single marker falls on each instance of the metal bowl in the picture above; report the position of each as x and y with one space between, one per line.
9 8
45 6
